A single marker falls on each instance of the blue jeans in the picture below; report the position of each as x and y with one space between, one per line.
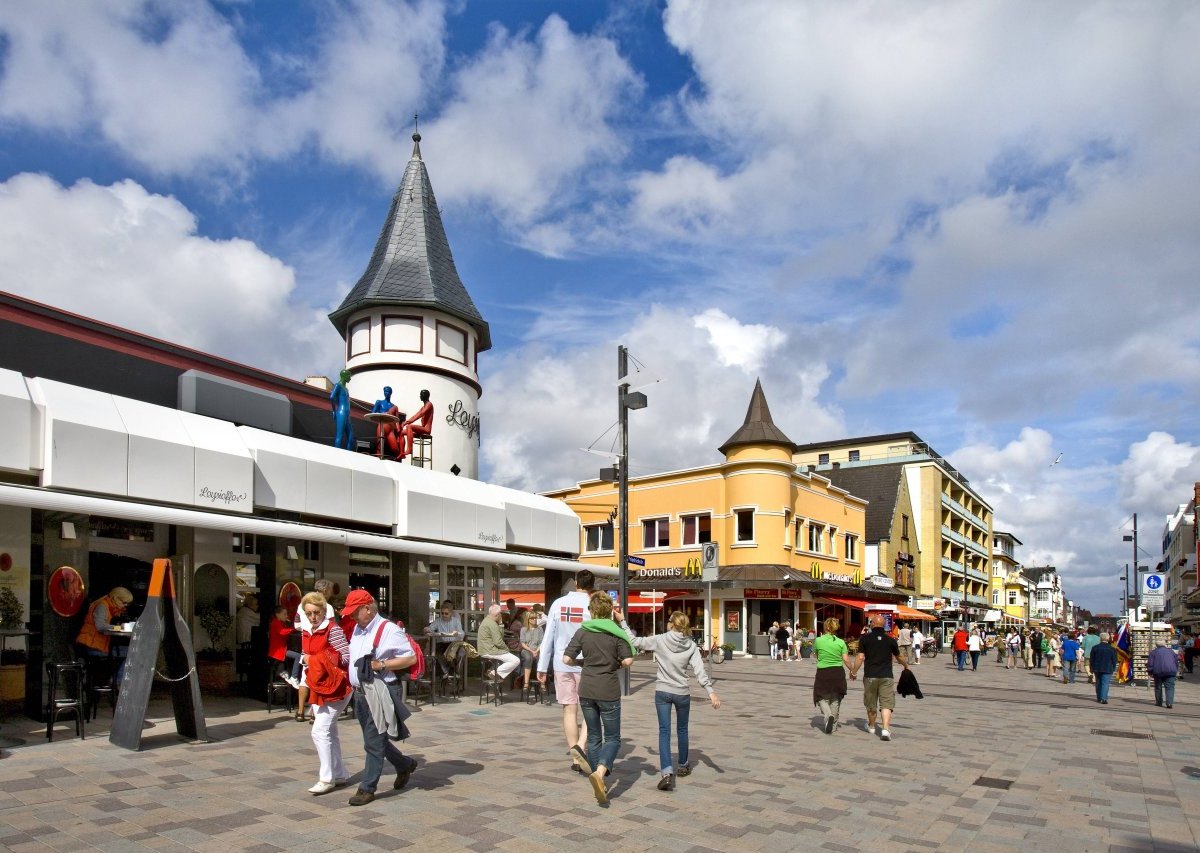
1068 672
1161 685
603 718
1103 679
962 660
376 745
663 703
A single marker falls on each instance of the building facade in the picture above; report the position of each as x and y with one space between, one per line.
790 541
950 533
1179 565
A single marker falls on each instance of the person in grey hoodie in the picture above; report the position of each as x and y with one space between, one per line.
673 651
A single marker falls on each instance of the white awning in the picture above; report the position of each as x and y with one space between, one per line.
16 413
69 502
438 506
87 447
534 521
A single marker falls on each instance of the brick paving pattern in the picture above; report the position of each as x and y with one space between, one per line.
766 776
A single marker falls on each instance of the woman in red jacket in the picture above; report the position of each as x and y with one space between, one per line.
277 633
326 658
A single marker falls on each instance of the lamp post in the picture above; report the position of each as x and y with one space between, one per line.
625 402
1132 539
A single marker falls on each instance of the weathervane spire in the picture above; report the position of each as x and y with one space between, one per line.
416 137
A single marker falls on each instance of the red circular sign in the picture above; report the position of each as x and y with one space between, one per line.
5 562
65 591
289 597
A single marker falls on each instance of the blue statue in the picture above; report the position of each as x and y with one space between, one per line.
339 398
389 433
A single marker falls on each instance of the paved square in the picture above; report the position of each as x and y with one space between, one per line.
766 776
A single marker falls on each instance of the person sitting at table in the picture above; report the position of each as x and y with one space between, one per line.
96 633
389 434
446 629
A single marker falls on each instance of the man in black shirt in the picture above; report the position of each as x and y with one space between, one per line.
1035 641
876 651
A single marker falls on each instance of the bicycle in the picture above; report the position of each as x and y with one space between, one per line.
714 653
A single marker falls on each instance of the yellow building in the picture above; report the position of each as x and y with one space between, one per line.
790 542
950 533
1010 588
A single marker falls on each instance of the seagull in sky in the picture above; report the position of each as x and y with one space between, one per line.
1056 461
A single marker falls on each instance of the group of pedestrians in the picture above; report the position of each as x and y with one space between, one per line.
587 655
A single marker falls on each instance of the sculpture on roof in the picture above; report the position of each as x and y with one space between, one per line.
389 427
420 423
339 399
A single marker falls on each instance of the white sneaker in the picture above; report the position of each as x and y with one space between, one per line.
322 788
292 680
884 734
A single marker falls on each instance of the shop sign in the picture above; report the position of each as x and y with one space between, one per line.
820 574
791 594
643 573
880 582
760 593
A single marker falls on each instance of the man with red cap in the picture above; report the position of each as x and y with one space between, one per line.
377 646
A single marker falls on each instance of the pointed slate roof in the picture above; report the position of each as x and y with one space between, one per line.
412 264
758 427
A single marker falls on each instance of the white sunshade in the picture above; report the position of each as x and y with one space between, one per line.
17 415
87 447
442 507
534 521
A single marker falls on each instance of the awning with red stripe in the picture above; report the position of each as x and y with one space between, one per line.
638 602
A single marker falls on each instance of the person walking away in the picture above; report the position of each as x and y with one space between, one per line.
1104 664
829 687
974 646
782 637
918 640
563 619
1163 666
674 651
1090 639
531 642
961 644
605 648
1001 647
905 642
773 632
1035 646
1070 655
876 651
1012 642
379 647
326 658
1027 649
1054 659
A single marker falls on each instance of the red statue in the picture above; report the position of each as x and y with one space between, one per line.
419 424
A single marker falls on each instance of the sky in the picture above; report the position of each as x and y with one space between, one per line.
975 221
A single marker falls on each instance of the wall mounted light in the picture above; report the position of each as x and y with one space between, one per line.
68 530
291 553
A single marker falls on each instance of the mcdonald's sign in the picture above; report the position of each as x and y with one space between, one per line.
820 574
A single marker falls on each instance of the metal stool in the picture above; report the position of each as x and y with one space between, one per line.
65 692
422 451
100 679
273 691
491 688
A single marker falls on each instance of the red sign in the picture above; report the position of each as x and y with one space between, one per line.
791 594
760 593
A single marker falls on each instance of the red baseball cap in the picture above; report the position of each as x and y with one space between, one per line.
355 600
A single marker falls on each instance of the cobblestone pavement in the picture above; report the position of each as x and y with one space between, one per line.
988 760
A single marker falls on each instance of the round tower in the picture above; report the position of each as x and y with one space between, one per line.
409 324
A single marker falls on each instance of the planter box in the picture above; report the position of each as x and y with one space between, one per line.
215 676
12 682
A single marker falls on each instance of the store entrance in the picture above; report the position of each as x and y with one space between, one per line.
763 613
106 571
378 586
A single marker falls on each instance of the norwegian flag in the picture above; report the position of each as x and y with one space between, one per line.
571 614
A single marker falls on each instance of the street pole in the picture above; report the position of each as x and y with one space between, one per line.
623 494
1125 601
1137 588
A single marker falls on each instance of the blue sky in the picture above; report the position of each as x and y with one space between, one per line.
973 221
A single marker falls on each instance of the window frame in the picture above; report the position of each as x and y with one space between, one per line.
600 526
738 513
697 516
665 522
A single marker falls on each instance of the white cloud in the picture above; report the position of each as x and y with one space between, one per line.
132 258
540 406
1157 476
738 344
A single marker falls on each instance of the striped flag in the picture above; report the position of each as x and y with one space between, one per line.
1124 658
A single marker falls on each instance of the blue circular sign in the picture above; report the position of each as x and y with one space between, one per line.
1153 581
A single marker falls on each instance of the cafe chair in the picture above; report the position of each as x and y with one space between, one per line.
454 675
66 692
276 687
491 686
99 681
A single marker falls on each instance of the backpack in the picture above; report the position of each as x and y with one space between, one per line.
417 669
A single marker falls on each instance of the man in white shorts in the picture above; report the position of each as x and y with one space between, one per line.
563 619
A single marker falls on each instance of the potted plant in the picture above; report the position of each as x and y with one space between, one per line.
12 662
728 649
806 647
214 664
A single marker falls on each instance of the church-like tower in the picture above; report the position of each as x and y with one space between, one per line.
410 324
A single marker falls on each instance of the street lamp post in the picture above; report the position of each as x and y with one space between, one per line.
626 400
1129 580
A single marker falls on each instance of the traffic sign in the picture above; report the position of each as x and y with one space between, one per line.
710 555
1153 592
636 561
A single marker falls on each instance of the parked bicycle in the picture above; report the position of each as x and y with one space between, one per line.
929 648
714 653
